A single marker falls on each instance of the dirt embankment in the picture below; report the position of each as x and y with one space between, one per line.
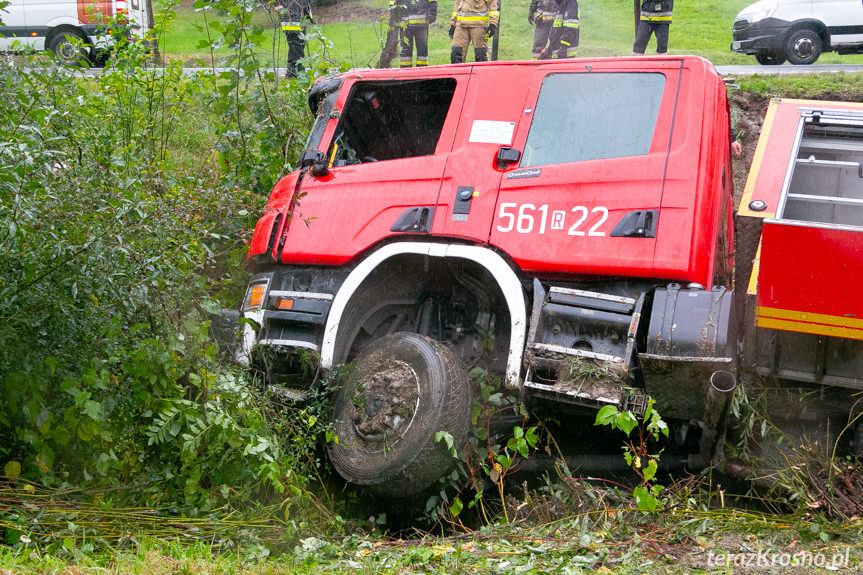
747 116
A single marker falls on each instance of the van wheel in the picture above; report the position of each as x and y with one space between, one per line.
405 388
769 59
803 47
69 49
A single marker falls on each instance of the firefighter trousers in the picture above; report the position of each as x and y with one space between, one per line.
462 37
563 43
419 35
296 50
642 36
541 36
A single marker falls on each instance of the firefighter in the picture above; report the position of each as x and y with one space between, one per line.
418 15
396 12
655 19
563 41
294 15
472 21
542 13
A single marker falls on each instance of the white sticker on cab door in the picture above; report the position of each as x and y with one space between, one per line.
491 132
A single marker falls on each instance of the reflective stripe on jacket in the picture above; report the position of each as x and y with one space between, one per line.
567 14
420 12
657 10
475 13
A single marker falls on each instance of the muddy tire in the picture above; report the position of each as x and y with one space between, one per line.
405 388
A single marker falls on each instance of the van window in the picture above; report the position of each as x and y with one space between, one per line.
391 120
589 116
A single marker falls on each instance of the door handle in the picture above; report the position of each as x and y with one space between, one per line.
506 156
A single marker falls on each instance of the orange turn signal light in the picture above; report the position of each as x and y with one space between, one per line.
284 303
256 296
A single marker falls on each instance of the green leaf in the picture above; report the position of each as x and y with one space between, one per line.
447 439
606 415
456 507
93 409
12 469
625 422
650 470
644 500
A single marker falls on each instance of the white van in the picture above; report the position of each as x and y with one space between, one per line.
74 30
798 30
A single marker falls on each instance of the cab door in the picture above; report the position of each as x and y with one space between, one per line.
585 196
493 109
386 145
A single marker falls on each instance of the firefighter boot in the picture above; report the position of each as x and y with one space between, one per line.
456 57
480 54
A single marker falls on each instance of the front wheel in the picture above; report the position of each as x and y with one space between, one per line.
405 389
803 47
69 49
769 59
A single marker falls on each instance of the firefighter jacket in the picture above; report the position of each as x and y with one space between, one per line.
292 14
567 14
420 12
543 9
657 10
475 13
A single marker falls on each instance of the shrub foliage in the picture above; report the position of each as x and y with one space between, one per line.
124 205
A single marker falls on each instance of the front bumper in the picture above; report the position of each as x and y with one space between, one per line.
764 36
292 310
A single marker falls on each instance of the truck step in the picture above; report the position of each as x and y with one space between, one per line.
588 392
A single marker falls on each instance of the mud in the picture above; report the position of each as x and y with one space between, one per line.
385 401
597 379
747 117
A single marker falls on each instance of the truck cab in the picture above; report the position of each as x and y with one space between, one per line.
531 217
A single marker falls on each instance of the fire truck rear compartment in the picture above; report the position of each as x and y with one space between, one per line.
826 184
805 300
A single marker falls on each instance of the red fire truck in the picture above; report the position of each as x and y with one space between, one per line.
546 220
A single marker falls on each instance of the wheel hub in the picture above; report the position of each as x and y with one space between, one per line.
803 47
384 405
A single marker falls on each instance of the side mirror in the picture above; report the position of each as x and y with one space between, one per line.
507 156
315 160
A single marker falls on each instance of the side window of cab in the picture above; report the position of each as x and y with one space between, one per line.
384 120
593 116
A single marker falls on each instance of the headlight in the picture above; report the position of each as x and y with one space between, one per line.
761 12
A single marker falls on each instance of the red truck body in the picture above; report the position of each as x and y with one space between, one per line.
567 225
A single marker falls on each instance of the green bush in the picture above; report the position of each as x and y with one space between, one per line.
124 208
